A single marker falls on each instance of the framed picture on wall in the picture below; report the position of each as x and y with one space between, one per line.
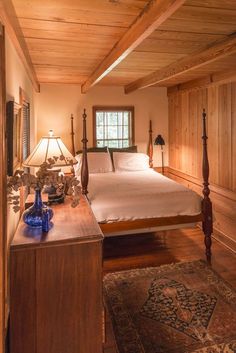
13 128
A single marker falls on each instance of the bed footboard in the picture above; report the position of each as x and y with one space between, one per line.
207 224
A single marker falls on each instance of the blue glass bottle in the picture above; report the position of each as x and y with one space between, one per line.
45 220
33 216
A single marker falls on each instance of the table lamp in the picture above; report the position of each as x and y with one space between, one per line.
48 147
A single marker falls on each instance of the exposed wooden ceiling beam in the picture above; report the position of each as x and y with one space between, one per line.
219 77
153 15
191 62
9 19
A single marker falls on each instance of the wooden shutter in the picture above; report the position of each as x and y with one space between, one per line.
25 130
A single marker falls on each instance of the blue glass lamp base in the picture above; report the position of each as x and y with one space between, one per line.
33 216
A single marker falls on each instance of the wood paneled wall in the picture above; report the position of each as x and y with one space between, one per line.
185 149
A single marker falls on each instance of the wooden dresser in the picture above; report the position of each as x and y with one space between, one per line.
56 285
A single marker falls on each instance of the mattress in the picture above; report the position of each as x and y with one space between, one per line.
123 196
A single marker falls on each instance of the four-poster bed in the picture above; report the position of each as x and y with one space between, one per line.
181 219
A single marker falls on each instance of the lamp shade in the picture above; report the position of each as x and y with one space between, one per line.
48 147
159 141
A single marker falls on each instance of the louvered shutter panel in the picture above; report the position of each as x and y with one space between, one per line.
25 130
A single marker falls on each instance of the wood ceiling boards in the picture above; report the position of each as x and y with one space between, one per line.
68 39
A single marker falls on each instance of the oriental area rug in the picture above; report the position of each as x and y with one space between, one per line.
178 308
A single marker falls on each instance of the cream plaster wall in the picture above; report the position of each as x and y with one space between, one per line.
55 103
17 77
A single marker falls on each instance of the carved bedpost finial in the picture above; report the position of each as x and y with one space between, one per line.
207 224
84 167
150 145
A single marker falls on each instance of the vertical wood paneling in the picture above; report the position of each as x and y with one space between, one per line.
220 104
233 94
172 149
193 111
225 131
201 104
178 132
213 132
185 131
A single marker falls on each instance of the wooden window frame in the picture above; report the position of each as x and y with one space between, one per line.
112 108
13 130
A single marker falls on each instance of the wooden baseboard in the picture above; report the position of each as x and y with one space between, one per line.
224 206
159 170
225 240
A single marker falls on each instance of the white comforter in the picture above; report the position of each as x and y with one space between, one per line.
120 196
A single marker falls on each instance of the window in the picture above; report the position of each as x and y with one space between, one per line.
113 126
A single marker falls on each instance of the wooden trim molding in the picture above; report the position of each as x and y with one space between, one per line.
154 14
221 49
214 188
11 23
3 198
225 240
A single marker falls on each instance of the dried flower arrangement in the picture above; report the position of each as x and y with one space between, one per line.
45 176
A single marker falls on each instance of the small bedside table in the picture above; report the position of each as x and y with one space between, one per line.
56 284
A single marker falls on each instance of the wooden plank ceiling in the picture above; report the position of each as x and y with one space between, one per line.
68 39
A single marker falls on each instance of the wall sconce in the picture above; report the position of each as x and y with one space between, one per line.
160 141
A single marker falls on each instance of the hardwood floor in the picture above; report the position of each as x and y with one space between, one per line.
155 249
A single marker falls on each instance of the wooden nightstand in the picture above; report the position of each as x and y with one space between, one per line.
56 284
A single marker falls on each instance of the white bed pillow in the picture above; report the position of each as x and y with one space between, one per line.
98 162
130 162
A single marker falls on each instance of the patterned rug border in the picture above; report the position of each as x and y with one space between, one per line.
171 266
214 278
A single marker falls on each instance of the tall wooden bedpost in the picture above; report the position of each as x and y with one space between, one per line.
150 145
207 224
84 168
72 135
